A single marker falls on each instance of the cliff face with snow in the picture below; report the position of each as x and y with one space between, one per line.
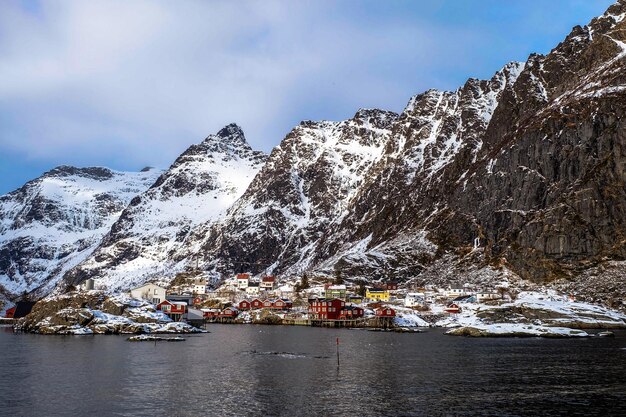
54 222
197 189
524 171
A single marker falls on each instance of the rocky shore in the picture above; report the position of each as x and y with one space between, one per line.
94 312
533 314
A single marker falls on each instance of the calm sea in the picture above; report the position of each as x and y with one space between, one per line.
292 371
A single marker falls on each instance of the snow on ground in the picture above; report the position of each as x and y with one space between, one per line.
533 313
406 317
63 314
516 329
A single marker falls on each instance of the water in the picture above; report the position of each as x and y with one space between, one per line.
292 371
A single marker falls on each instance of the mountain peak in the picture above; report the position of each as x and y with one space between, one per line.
231 133
68 170
377 118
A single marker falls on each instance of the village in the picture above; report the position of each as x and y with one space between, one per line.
322 302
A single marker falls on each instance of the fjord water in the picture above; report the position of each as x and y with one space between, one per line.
279 370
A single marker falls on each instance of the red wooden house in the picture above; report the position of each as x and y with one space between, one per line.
351 312
453 308
210 313
10 313
174 309
385 312
268 282
244 305
325 309
268 304
282 304
229 313
256 304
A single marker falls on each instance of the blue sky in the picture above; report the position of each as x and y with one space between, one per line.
130 84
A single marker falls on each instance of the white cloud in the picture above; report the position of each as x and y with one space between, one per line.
133 82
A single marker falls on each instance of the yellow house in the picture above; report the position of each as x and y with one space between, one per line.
377 294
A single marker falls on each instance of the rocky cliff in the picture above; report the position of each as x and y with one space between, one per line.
525 170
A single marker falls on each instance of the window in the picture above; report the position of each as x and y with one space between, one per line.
155 290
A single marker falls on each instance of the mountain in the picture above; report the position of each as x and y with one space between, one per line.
198 188
523 173
319 200
55 221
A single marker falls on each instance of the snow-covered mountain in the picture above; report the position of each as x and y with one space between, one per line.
197 189
326 181
522 174
524 171
55 221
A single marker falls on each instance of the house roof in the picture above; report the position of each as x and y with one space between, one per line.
325 299
269 279
149 284
337 287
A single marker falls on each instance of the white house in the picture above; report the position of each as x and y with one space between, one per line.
486 295
453 292
286 291
242 281
268 282
414 299
253 288
199 287
150 292
430 296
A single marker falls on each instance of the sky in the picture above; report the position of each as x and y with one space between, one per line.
129 84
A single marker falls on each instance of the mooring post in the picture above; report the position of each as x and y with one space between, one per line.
337 352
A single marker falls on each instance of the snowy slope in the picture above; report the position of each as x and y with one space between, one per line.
326 181
197 189
306 184
54 222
